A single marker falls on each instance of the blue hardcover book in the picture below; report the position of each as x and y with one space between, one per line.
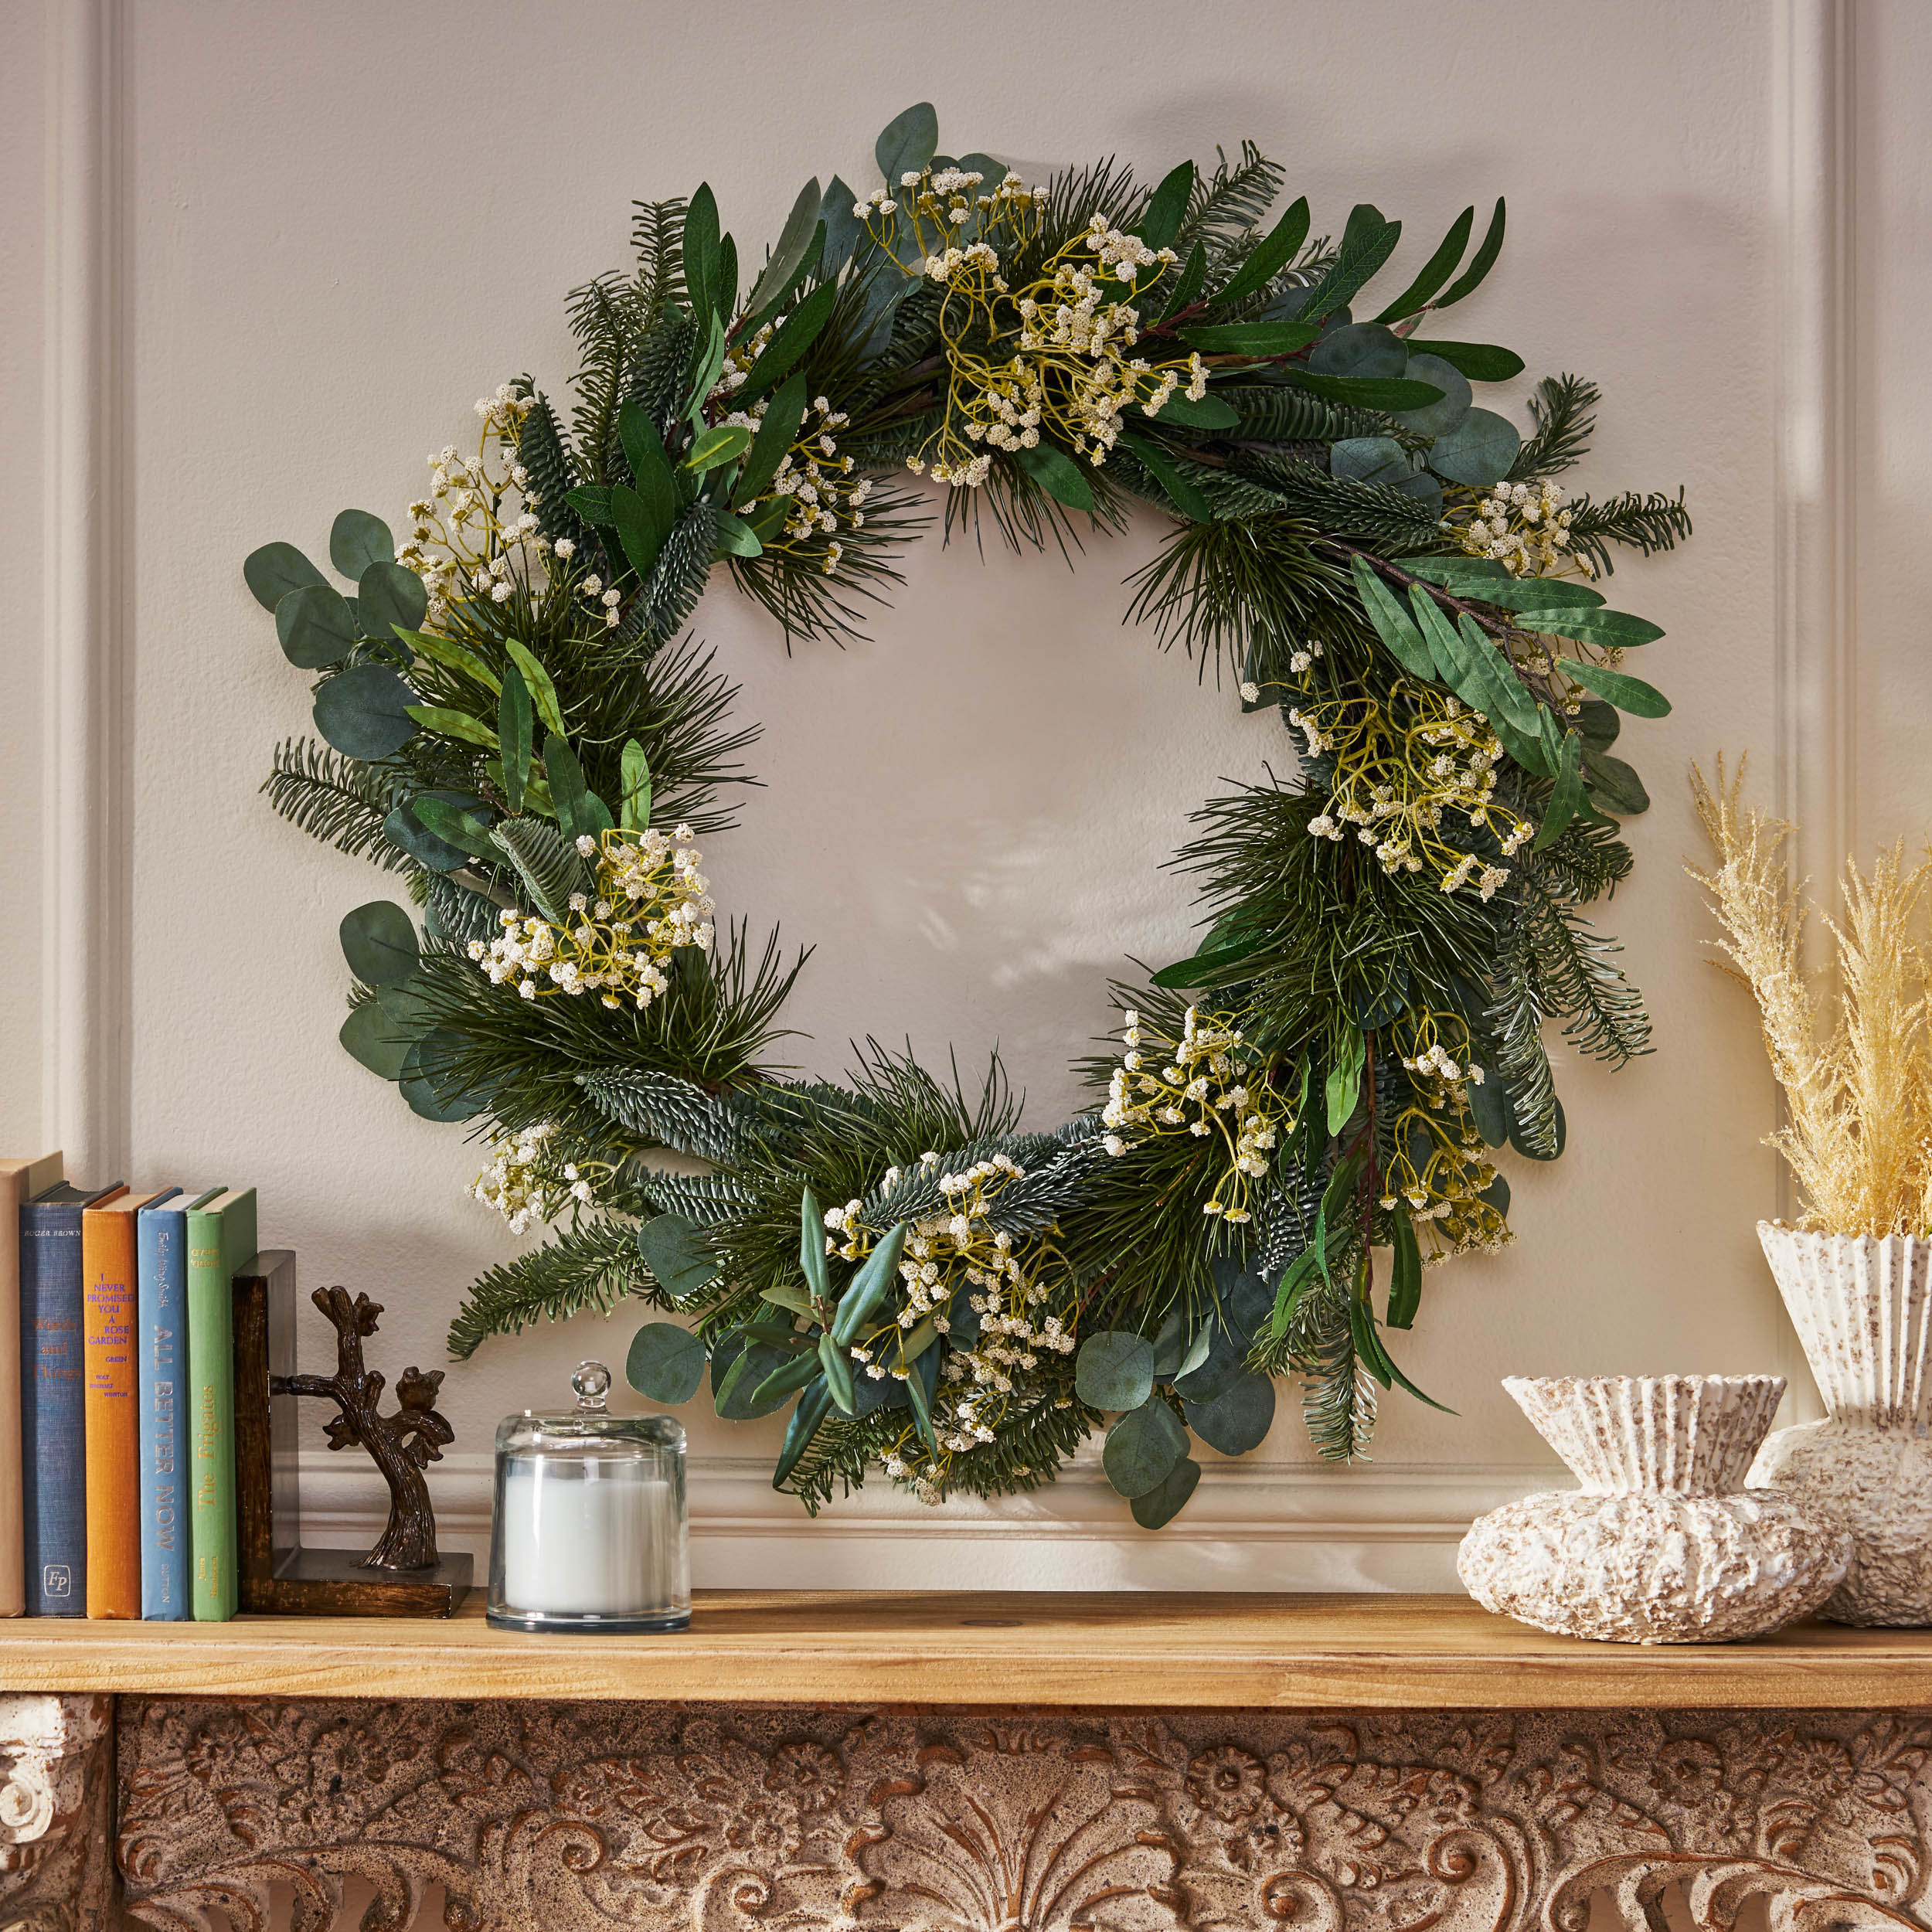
160 1342
53 1429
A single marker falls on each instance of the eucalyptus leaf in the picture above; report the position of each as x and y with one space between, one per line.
665 1363
379 943
1239 1418
1162 1504
404 829
676 1252
1437 419
1614 786
1359 348
739 1396
427 1088
1114 1369
358 538
371 1037
315 626
1392 393
1142 1448
390 599
274 570
363 711
1478 451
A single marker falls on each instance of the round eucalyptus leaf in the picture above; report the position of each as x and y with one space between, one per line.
1360 348
1497 1194
1168 1497
427 1088
1246 1301
1238 1419
404 830
389 598
1370 459
1478 451
403 1001
275 569
675 1251
315 625
1171 1344
1114 1369
1425 491
1438 419
750 1369
666 1362
1142 1446
363 711
357 539
371 1036
886 1392
379 943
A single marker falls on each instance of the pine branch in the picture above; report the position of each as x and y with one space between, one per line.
1576 975
337 799
1338 1393
1227 205
594 1265
1563 410
1642 523
1514 1019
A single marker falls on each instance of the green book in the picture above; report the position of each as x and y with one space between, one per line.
220 1241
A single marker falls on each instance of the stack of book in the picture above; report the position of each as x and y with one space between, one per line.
117 1396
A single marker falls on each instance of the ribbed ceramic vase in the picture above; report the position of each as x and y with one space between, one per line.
1663 1543
1862 1309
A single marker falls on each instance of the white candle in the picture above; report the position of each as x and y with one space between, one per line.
596 1537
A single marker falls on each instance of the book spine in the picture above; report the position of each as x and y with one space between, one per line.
161 1305
52 1411
13 1576
111 1414
211 1423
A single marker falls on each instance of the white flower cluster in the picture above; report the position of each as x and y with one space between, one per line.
651 899
1206 1084
1438 1165
1397 780
825 495
1021 1292
463 536
1526 530
1053 355
518 1183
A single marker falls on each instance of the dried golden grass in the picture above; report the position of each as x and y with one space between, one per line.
1859 1100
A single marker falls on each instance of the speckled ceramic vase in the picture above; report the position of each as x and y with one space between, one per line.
1662 1544
1862 1307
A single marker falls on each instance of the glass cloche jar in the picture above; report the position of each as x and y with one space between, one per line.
589 1531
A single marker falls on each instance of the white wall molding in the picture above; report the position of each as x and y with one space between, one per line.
1254 1525
87 560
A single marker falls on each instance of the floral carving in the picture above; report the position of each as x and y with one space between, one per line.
797 1821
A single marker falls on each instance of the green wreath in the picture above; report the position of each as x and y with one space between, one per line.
513 719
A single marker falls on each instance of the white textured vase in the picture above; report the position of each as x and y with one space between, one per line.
1662 1544
1862 1307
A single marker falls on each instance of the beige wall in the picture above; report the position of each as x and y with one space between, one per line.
320 232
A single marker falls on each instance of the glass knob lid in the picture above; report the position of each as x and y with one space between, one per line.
592 1382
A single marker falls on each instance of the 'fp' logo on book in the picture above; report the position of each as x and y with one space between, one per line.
57 1580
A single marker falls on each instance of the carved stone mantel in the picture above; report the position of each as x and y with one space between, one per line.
597 1815
524 1807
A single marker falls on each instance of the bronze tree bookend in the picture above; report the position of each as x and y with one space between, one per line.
405 1575
401 1445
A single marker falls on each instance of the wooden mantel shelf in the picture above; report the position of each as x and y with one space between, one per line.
1228 1651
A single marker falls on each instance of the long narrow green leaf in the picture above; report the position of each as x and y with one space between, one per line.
1437 270
789 257
838 1367
1405 1280
1567 800
454 657
869 1288
1392 624
516 734
777 431
1627 693
1484 261
813 1406
1272 254
811 1248
543 691
453 724
789 341
1185 496
1367 242
634 812
1167 208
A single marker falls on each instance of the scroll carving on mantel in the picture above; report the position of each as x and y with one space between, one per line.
564 1817
56 1794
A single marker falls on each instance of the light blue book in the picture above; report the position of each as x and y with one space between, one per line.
161 1303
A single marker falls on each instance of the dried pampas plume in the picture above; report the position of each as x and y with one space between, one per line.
1858 1097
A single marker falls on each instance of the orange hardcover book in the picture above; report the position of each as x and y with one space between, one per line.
111 1383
